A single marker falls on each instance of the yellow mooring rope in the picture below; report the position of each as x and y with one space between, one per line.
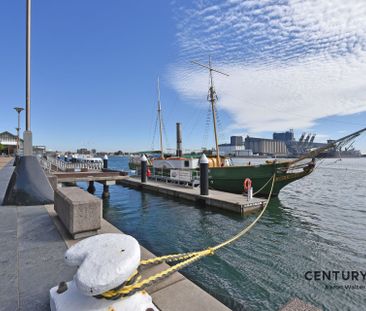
185 259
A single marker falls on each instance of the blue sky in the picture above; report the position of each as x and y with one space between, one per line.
292 64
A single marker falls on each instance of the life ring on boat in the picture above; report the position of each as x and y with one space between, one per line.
247 184
148 173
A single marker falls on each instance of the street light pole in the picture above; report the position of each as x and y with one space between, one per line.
28 184
18 110
27 133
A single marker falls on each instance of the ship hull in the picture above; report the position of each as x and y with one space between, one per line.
231 179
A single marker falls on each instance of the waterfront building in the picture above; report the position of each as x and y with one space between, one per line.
8 142
284 136
39 149
228 149
264 146
235 148
83 151
236 141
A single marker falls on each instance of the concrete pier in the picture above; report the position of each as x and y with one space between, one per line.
33 242
175 293
219 199
31 258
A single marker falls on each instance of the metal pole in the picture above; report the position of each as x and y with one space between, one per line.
17 139
203 175
28 52
212 100
18 130
18 110
160 122
28 149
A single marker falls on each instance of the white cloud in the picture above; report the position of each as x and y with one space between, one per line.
289 64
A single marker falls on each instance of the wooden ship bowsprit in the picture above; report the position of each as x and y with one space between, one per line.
231 178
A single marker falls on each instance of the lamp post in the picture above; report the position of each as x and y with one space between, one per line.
28 184
27 133
18 110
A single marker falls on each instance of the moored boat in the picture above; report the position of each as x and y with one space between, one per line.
231 178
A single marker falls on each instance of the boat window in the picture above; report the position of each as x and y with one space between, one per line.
186 163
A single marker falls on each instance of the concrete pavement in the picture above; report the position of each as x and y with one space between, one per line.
31 260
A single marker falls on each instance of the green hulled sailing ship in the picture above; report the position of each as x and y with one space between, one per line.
231 178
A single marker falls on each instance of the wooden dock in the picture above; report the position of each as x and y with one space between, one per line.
219 199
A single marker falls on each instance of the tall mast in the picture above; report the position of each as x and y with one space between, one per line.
160 122
212 98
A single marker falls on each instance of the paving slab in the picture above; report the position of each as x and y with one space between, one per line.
180 297
8 259
298 305
5 173
40 250
5 160
31 258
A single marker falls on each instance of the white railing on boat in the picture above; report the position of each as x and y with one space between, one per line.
183 177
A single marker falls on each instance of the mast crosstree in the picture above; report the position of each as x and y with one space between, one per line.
212 98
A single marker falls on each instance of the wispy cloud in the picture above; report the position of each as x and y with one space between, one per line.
290 62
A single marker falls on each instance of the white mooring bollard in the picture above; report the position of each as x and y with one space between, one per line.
105 261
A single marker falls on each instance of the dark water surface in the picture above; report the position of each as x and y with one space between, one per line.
317 223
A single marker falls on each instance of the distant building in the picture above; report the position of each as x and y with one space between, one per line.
236 141
9 143
83 151
264 146
284 136
235 148
228 149
39 149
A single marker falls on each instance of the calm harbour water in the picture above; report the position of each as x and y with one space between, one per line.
317 223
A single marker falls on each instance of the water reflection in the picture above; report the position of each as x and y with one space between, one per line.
317 223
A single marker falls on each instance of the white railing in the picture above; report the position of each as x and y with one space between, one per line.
60 165
46 165
182 177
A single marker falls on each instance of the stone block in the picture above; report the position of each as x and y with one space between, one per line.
79 211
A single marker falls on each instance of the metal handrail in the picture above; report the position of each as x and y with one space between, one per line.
161 174
63 165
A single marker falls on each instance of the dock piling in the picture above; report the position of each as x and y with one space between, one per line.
203 175
179 140
105 162
91 188
143 168
106 193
